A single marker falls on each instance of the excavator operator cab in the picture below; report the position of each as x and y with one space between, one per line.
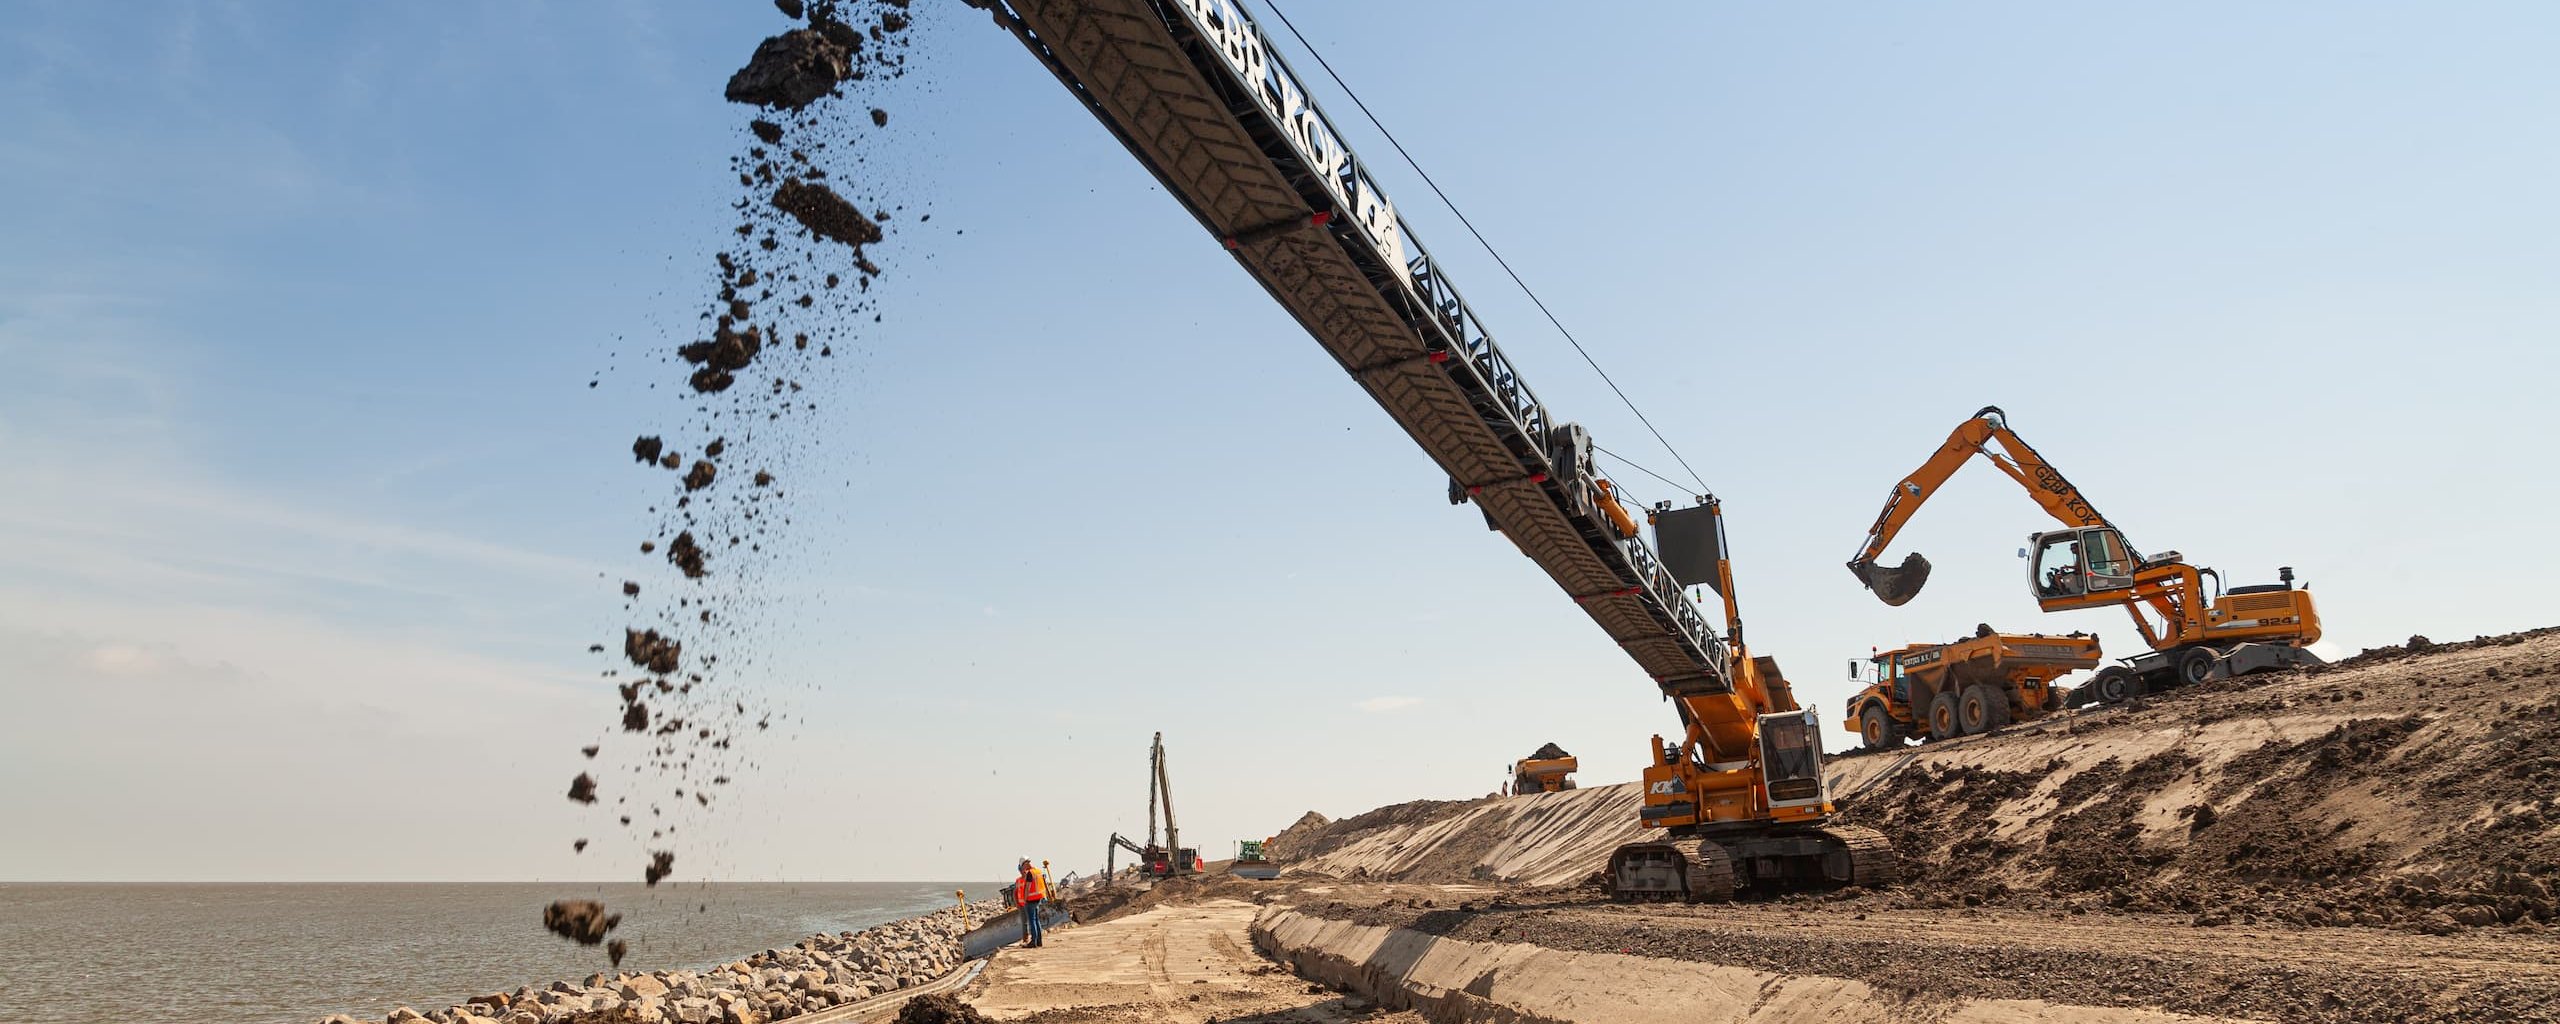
2065 565
1791 759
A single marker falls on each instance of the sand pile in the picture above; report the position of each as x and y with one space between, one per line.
786 288
1540 839
2416 787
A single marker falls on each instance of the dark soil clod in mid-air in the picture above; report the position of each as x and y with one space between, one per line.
661 864
686 555
791 70
646 649
826 214
583 788
582 921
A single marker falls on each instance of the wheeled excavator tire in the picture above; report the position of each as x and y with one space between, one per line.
2114 684
2195 664
1693 870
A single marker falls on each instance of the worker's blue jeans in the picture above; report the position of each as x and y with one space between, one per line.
1031 921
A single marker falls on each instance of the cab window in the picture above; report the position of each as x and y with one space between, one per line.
2107 555
1787 750
2058 567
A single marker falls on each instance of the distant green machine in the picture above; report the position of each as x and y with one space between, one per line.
1250 861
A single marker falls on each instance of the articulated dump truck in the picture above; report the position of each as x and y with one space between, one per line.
1965 688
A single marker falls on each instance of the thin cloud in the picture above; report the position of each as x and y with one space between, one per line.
1382 705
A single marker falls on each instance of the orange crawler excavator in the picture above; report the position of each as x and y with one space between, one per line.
2195 633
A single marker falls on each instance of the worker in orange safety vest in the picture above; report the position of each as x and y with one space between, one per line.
1032 890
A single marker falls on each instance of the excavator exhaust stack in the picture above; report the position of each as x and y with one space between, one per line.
1894 586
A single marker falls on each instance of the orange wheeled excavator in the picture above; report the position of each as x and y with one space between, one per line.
2196 632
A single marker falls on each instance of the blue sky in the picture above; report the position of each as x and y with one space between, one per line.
314 514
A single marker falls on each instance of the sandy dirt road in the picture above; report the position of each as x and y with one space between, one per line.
1926 957
1187 963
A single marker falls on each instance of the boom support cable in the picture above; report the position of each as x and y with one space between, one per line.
1489 249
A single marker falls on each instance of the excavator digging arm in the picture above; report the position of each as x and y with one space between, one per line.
1896 585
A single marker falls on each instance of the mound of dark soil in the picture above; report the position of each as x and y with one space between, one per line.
937 1008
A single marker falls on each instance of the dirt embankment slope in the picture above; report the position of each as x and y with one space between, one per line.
2376 841
1538 839
2408 787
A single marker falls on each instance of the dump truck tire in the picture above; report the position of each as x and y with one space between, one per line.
1944 720
1982 709
1878 729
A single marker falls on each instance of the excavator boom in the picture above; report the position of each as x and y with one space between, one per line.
1896 585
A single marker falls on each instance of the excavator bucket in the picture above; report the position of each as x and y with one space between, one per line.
1894 586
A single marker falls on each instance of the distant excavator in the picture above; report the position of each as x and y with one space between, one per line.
2194 634
1156 860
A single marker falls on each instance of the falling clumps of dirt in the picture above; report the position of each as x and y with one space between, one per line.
719 359
584 922
583 788
826 214
646 649
686 555
797 211
792 70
